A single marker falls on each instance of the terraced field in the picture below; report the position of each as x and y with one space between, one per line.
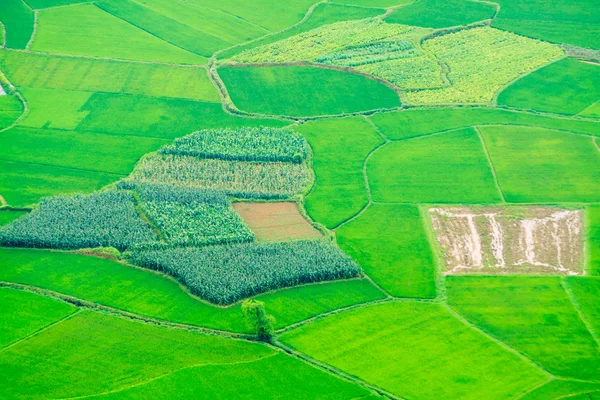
362 199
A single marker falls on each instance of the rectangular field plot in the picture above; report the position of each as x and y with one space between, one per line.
494 240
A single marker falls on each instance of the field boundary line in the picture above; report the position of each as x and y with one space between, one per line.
35 27
440 279
490 163
514 351
174 371
19 96
333 370
3 35
224 13
42 329
539 385
60 166
595 140
580 313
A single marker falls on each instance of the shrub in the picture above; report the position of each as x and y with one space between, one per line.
98 220
242 144
225 274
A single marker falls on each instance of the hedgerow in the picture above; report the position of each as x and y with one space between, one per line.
226 274
242 144
70 222
269 180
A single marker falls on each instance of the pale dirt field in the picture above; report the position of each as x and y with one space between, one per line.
509 240
276 221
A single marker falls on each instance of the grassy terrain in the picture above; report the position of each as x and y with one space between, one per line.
86 30
558 389
55 109
593 234
447 168
411 123
17 19
340 147
586 292
390 244
441 14
25 313
284 90
7 216
520 153
568 86
417 351
11 108
592 111
533 315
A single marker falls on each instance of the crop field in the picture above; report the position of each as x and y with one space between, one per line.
302 199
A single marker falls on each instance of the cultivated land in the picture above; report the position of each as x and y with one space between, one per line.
410 188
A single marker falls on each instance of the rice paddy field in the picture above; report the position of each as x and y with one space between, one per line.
361 199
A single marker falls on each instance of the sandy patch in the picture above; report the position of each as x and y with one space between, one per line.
276 221
2 92
505 240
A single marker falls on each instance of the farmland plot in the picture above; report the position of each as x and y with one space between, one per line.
441 14
593 234
18 20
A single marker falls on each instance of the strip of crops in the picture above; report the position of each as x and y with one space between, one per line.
369 53
98 220
242 144
225 274
236 178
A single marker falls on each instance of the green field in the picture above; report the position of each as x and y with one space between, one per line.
17 19
440 14
593 224
260 90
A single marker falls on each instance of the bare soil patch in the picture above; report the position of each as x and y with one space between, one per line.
2 92
509 240
276 221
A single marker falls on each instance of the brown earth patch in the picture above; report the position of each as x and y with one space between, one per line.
509 240
276 221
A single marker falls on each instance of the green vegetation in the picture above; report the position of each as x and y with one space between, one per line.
25 313
566 167
559 388
7 216
411 73
340 147
532 315
226 274
87 30
17 19
593 234
243 144
592 111
442 14
283 90
586 292
254 311
390 244
568 86
446 168
98 220
416 350
369 53
54 109
11 108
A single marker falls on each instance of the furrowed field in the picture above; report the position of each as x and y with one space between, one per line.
361 199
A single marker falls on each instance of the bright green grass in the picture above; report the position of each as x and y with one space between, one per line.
567 86
559 388
38 4
17 19
446 168
593 243
57 109
340 147
592 111
59 72
93 353
442 14
103 153
417 351
275 377
325 13
558 21
11 109
23 184
532 315
168 29
542 165
411 123
390 244
297 91
7 216
587 292
86 30
24 313
152 295
374 3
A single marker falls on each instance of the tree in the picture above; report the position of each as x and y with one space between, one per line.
254 311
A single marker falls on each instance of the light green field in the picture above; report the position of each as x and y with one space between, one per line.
534 316
7 216
558 389
283 90
586 292
446 168
86 30
152 295
54 109
568 86
340 147
11 108
592 111
390 244
417 351
542 165
411 123
593 234
25 313
442 14
17 19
